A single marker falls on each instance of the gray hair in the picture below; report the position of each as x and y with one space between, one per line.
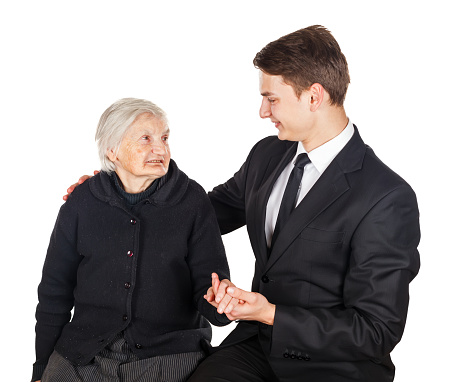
115 122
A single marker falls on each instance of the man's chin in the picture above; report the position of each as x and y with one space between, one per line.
284 137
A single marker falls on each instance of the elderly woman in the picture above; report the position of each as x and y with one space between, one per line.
132 252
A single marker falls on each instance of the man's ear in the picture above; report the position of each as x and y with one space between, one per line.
317 94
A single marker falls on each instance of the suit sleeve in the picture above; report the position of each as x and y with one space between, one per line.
228 199
206 255
55 292
384 259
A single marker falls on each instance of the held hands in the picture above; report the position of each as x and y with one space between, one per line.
238 304
81 180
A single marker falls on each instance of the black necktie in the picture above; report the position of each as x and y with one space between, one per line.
289 197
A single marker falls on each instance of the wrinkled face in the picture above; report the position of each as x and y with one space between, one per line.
290 114
144 151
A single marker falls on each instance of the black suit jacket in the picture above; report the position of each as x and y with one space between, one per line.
340 269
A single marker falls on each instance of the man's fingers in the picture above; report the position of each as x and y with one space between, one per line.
240 294
83 178
70 189
233 303
223 304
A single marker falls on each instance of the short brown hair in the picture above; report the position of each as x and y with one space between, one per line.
307 56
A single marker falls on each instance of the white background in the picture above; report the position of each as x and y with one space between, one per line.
62 63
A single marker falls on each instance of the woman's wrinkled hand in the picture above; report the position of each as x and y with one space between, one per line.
218 297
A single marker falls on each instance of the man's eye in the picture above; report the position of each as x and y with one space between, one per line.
165 139
271 100
145 138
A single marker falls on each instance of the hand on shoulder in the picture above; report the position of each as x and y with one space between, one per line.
71 188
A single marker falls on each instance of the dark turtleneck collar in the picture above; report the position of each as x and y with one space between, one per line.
169 189
132 199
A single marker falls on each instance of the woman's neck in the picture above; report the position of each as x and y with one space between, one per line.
133 184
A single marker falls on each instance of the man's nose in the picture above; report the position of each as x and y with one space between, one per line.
265 109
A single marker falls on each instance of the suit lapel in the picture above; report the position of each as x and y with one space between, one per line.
329 187
275 167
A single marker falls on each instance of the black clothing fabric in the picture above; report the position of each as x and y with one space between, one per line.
243 362
340 268
289 198
117 363
132 199
142 270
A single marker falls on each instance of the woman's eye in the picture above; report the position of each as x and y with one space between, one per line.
145 138
165 139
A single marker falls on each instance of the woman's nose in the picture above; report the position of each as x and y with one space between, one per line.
158 148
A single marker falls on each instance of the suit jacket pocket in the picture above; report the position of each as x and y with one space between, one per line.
321 236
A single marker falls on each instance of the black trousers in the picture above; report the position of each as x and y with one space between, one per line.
244 362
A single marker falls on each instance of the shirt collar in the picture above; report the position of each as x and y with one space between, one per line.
323 155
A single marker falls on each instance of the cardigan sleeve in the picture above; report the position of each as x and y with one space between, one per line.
206 255
55 292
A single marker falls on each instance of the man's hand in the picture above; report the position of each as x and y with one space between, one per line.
81 180
255 307
238 304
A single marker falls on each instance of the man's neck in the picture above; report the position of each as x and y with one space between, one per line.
327 126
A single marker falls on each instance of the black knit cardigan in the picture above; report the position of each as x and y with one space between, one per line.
142 270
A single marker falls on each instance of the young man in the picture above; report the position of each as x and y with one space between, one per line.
330 292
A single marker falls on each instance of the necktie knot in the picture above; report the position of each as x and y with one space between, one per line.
302 160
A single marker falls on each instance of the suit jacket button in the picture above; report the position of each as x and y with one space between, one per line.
138 346
265 279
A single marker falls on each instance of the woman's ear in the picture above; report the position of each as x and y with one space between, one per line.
111 155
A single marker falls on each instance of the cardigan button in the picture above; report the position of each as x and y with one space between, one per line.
138 346
133 222
125 318
130 253
127 285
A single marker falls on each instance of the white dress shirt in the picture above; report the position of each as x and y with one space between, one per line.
320 159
